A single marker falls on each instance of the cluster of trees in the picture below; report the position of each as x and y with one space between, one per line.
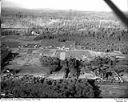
69 66
103 67
34 87
108 68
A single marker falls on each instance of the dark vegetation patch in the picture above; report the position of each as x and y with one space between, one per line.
96 88
69 66
101 66
6 56
32 87
52 63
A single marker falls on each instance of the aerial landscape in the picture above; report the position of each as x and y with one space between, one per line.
63 54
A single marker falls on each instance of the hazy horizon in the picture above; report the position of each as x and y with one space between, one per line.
77 5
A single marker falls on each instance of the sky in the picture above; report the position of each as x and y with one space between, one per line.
83 5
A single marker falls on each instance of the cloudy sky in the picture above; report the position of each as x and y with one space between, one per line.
84 5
